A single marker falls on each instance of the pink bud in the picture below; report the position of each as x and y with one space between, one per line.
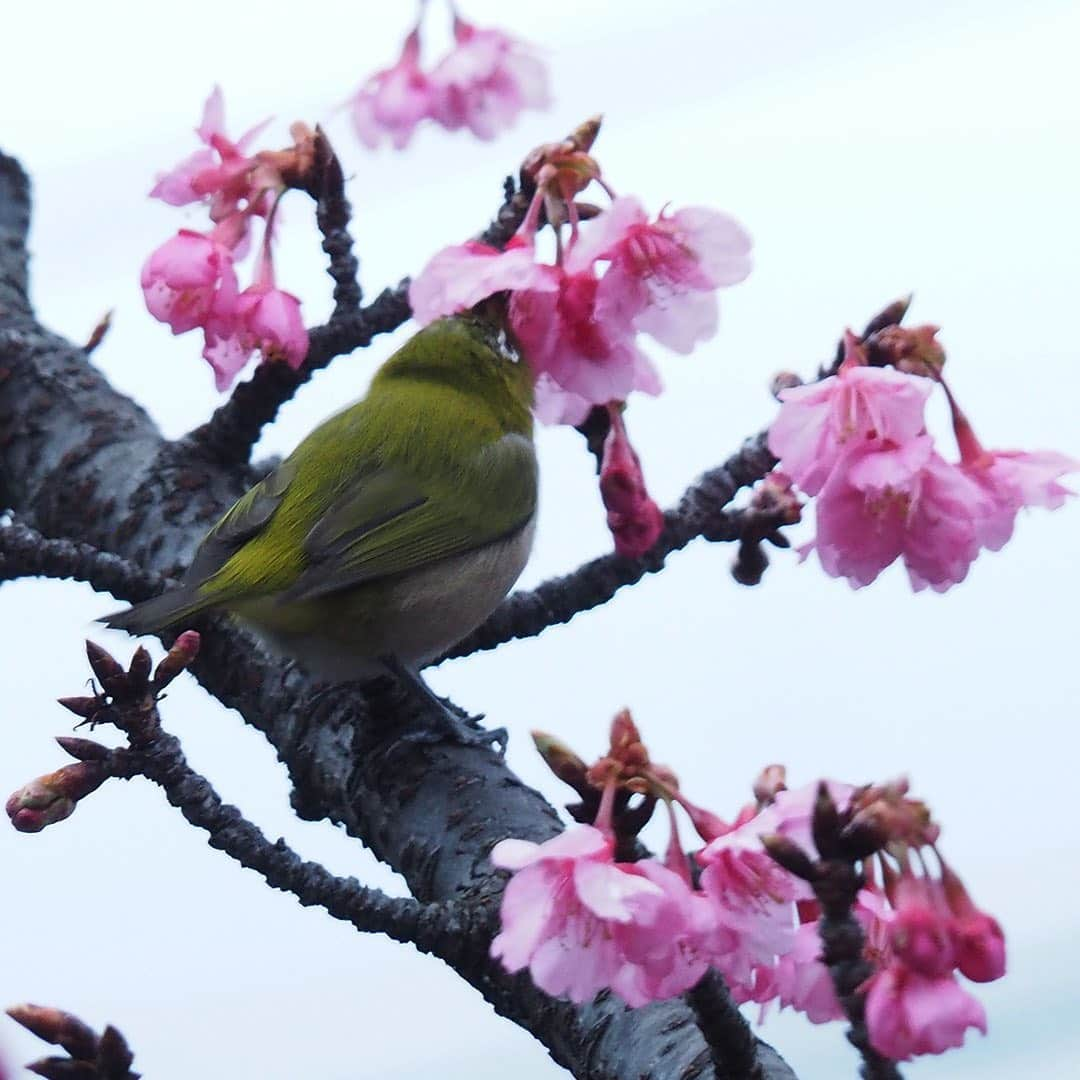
980 947
634 519
52 797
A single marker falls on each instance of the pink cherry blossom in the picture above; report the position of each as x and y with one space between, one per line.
634 519
667 949
803 982
561 906
223 173
665 273
261 317
877 507
485 81
858 409
920 931
183 280
583 342
754 902
908 1013
462 275
1014 479
393 101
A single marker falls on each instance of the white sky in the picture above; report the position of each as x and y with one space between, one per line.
871 150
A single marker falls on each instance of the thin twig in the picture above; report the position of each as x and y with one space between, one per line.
700 512
130 702
333 215
24 552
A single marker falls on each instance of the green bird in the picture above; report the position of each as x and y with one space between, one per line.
393 529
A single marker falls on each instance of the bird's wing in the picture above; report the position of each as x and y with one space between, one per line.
247 517
389 524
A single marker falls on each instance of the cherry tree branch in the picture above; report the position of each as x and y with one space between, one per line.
83 462
24 552
699 513
129 701
731 1045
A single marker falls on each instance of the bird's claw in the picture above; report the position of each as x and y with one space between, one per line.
447 728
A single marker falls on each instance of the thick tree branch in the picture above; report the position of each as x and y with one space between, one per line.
79 460
730 1042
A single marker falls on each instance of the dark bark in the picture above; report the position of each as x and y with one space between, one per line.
79 461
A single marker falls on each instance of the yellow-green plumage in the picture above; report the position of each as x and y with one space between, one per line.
394 527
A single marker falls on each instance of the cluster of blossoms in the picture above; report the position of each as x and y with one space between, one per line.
858 441
578 320
582 914
190 281
482 83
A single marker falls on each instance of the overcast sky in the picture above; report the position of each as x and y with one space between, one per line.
872 150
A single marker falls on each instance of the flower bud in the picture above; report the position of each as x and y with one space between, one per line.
980 947
52 797
786 853
82 749
889 316
784 380
915 351
85 707
180 657
634 519
139 670
769 783
825 824
109 673
562 761
58 1028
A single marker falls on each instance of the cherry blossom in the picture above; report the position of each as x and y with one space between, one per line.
223 174
485 81
462 275
393 101
184 278
562 906
878 507
803 982
860 409
665 272
1011 479
262 317
908 1013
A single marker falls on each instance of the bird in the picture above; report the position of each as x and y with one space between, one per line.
393 529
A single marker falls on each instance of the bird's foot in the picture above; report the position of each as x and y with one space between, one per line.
445 727
434 722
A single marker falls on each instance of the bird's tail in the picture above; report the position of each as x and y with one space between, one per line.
165 610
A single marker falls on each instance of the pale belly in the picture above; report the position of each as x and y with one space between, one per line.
415 617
